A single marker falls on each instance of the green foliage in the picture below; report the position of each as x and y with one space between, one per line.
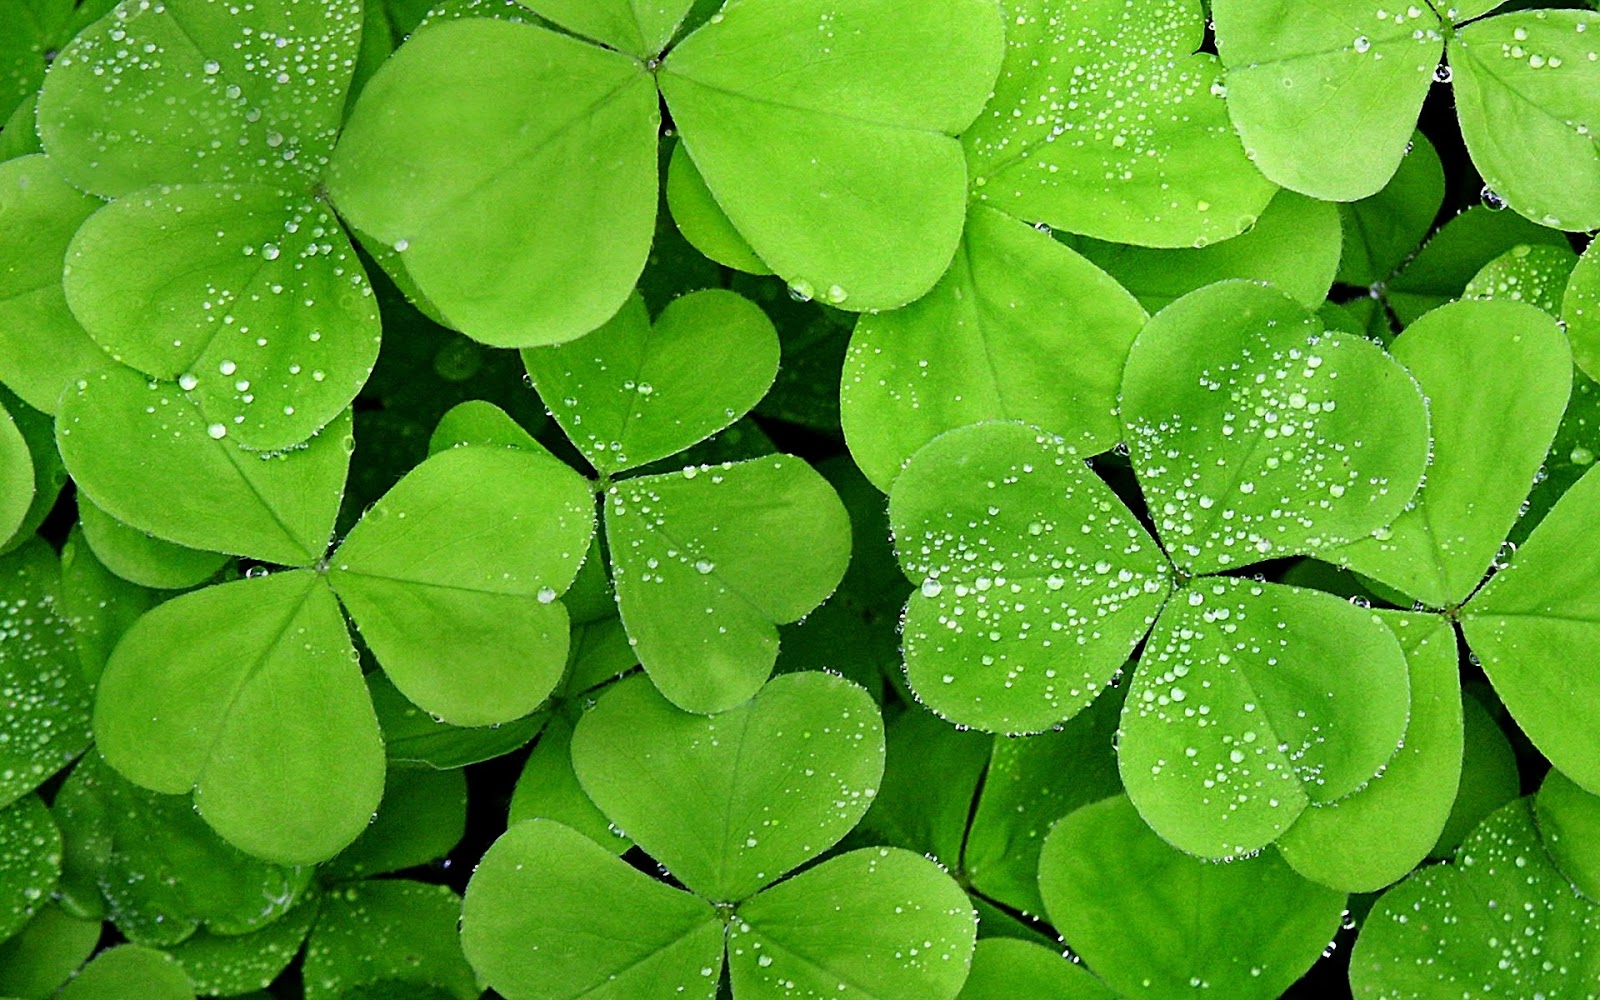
769 498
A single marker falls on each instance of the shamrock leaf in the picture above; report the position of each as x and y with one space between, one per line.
231 964
422 817
129 970
16 476
708 562
1003 968
1580 308
1497 376
1019 328
633 392
387 930
731 802
30 861
548 788
1108 121
1536 275
635 28
140 558
45 952
1236 722
1251 432
1383 229
1154 922
1440 271
1569 822
1034 581
701 220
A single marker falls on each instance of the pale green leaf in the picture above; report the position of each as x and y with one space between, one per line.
548 788
637 27
1536 275
1441 269
702 221
1580 308
142 558
1569 822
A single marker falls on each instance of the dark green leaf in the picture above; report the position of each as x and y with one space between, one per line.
387 929
30 861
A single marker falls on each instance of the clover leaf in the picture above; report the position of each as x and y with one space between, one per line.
16 476
1568 819
1580 308
129 970
391 931
1383 229
1003 967
140 558
30 861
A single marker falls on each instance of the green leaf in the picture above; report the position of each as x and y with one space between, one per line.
1005 968
162 872
210 691
551 915
782 153
731 802
1326 95
1154 922
1111 123
1294 245
1501 920
228 965
1536 275
636 27
878 922
27 29
143 558
99 605
701 220
1580 308
479 422
1252 433
44 953
1020 328
422 817
16 476
632 392
1034 582
600 652
41 344
30 861
387 930
482 122
1441 269
1497 376
1382 230
1489 777
1251 702
49 475
194 91
1527 620
1569 822
1376 836
932 772
453 577
255 303
707 563
128 971
45 709
145 455
1529 73
1029 785
412 736
548 788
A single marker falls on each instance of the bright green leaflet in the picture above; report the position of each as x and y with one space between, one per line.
145 455
45 711
708 561
1107 121
1382 230
49 475
100 605
702 221
1325 95
141 558
1530 617
1536 275
637 27
162 872
254 303
43 954
27 29
41 344
1569 822
1500 921
30 861
548 788
128 971
1441 269
228 965
209 691
421 818
600 652
932 771
16 476
479 422
1251 702
1152 921
1376 836
412 736
633 392
1489 777
1034 581
1294 245
783 153
1005 969
731 802
1252 429
1497 375
1030 784
878 922
1466 10
452 578
387 930
1529 73
1580 307
195 91
1020 328
482 122
551 915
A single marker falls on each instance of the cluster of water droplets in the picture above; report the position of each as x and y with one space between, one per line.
44 702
